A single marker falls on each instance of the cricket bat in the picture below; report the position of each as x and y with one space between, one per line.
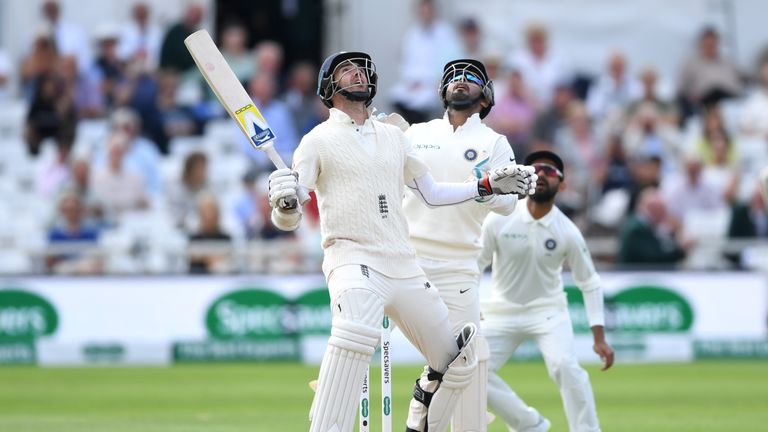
234 98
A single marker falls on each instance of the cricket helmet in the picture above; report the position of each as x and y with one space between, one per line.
327 86
472 71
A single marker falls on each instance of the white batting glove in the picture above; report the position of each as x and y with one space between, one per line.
283 191
510 179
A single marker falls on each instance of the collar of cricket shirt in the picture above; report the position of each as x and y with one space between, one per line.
339 116
546 220
472 121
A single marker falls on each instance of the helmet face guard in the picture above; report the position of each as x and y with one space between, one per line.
471 71
328 85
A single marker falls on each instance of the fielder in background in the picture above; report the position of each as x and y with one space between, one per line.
457 148
528 250
358 169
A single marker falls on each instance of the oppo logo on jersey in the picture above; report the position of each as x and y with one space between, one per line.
516 236
426 146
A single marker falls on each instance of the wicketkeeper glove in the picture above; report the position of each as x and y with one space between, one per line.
394 119
510 179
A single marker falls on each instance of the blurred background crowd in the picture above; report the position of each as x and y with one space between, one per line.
115 157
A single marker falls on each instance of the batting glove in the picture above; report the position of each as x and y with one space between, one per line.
283 191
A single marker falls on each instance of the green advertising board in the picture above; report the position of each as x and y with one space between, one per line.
637 309
258 324
24 317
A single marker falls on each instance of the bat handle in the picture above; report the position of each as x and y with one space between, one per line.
274 156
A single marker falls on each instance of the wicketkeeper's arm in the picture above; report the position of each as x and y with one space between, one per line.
501 155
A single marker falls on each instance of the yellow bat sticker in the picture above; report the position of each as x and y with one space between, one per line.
254 124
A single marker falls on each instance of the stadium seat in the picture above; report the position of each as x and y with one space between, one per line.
223 135
709 228
12 114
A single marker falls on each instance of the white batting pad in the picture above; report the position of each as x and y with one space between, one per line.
345 362
470 414
444 391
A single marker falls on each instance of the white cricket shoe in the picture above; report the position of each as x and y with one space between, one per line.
542 425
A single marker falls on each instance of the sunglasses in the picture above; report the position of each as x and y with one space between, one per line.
469 77
548 170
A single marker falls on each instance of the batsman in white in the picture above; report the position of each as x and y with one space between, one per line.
458 147
528 249
358 169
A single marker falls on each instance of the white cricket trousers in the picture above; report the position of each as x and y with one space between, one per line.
360 296
551 329
457 283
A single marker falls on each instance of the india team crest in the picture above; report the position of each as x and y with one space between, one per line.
470 155
550 244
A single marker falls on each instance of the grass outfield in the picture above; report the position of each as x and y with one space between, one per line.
705 396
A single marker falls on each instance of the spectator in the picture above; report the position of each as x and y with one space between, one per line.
173 53
308 111
209 235
40 62
140 39
549 122
718 155
425 48
608 97
751 220
614 185
51 113
81 88
6 77
183 195
142 155
646 172
53 174
234 48
616 172
246 207
72 226
692 191
262 89
117 188
514 113
648 237
542 70
69 38
753 121
715 146
108 70
647 134
79 183
269 57
138 92
471 37
649 95
708 77
580 149
174 118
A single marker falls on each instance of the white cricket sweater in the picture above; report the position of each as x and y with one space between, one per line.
358 173
453 232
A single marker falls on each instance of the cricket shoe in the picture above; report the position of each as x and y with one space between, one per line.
542 425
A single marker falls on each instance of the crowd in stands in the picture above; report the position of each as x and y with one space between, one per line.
123 161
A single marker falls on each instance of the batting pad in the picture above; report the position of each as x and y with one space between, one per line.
455 379
345 362
470 412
